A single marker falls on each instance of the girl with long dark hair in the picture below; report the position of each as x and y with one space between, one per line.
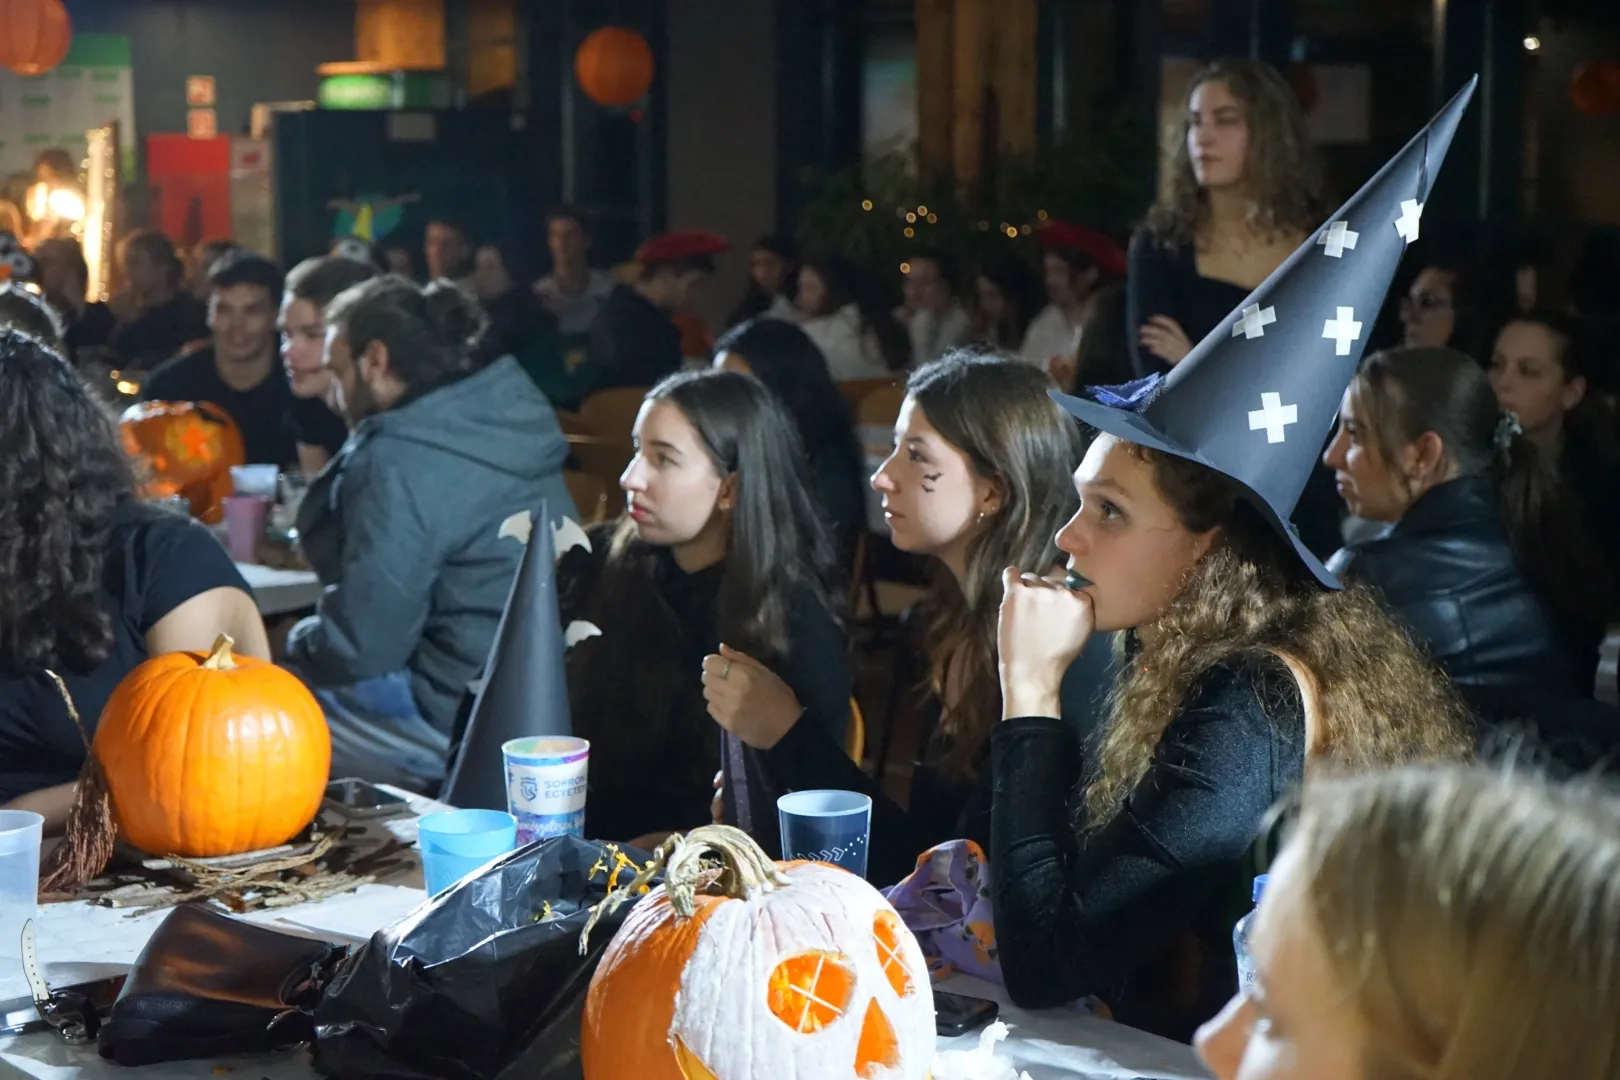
1546 370
773 272
92 582
976 482
782 357
714 598
858 335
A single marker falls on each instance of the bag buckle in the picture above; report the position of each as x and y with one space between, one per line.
71 1015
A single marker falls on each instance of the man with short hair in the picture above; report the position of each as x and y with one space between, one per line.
573 291
311 286
635 341
447 252
240 371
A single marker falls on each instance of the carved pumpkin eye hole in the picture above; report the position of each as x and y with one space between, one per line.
810 990
879 1049
887 930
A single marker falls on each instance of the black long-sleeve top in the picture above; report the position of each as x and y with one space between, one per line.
941 807
1166 281
1111 912
637 690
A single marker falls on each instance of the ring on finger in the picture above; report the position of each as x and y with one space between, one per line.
725 672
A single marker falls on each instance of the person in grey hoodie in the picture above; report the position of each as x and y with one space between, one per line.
403 526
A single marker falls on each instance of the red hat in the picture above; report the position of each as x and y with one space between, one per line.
1108 256
680 246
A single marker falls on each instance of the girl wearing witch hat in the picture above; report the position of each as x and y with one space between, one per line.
1120 867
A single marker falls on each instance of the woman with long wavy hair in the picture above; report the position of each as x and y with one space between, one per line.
1121 869
92 582
1245 188
977 482
713 595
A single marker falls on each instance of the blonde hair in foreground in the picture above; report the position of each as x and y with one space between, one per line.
1473 918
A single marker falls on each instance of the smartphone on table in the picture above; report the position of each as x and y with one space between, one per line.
957 1015
359 799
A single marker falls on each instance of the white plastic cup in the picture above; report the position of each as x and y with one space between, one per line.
20 832
545 785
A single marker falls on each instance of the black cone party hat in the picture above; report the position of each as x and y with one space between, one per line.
1256 399
525 688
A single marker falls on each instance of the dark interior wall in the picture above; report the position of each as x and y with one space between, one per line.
257 50
722 130
1579 154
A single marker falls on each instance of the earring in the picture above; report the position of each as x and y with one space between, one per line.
981 518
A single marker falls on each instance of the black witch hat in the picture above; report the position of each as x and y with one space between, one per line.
525 689
1255 400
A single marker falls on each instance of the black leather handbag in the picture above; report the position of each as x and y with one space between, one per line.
207 984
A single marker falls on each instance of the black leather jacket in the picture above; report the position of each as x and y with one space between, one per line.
1446 571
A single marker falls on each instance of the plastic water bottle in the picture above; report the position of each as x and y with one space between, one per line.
1240 939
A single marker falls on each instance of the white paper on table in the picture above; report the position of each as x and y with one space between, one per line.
980 1063
357 916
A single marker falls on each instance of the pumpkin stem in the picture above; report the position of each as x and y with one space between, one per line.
220 658
688 867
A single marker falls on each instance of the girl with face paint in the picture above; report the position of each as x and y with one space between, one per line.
975 482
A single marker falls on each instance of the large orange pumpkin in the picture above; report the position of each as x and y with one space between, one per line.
190 448
614 66
212 754
797 971
34 35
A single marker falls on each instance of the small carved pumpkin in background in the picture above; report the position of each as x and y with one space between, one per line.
212 754
753 970
189 447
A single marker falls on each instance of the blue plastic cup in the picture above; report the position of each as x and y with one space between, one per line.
826 826
457 842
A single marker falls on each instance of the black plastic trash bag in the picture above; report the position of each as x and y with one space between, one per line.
484 982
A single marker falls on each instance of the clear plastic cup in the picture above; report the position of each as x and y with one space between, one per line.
20 832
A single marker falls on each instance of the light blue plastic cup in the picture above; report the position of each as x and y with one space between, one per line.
457 842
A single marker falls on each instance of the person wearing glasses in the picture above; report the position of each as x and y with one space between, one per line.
1451 304
312 285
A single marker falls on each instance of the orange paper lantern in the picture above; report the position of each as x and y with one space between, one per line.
34 35
614 66
1594 88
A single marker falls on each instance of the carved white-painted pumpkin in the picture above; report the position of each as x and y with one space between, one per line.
791 971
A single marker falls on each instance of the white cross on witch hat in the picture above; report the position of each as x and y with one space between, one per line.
1255 400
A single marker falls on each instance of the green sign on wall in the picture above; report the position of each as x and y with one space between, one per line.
394 90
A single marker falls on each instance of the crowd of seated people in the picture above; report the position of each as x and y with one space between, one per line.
1113 748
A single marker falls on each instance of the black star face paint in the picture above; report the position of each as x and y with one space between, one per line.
1075 581
929 479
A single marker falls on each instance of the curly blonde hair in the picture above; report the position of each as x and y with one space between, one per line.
1283 172
1378 700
